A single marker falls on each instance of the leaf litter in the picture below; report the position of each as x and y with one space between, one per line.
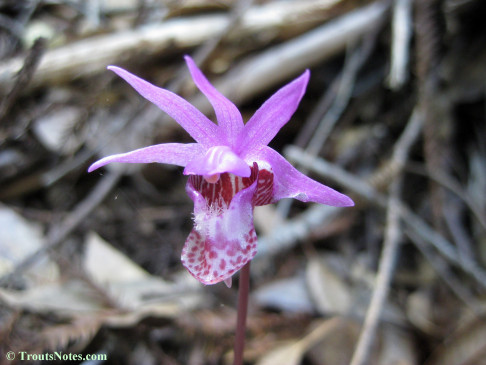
90 264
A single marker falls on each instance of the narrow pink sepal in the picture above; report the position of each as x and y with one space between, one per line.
192 120
217 160
222 241
170 153
291 183
228 116
272 115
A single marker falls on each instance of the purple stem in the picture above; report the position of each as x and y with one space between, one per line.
243 291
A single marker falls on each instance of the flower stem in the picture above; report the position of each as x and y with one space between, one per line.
243 291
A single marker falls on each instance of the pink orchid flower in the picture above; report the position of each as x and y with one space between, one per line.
231 170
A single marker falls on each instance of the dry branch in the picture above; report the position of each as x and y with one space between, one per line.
59 233
402 33
364 190
258 74
90 56
391 242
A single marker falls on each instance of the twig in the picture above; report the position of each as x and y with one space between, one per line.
437 127
341 94
290 57
24 75
315 117
414 222
383 278
402 33
45 179
390 245
58 234
354 61
452 185
257 74
202 53
294 230
441 268
365 190
344 92
78 59
93 10
395 165
442 245
453 218
235 18
150 114
410 134
336 174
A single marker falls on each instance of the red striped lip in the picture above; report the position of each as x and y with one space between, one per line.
220 193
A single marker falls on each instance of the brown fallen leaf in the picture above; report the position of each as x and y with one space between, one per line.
292 353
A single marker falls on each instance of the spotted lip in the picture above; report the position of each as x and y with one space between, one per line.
223 239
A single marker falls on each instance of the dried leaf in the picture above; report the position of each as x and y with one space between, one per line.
129 284
466 347
135 292
66 298
292 353
397 347
329 292
106 265
338 348
20 239
81 330
420 311
289 295
54 130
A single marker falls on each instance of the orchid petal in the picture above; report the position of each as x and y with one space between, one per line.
170 153
217 160
192 120
222 242
291 183
227 114
273 115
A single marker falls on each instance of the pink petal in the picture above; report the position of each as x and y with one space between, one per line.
192 120
217 160
291 183
223 239
171 153
228 282
272 115
228 115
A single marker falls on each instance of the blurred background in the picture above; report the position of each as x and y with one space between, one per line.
394 116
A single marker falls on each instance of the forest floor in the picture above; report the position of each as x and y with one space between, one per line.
394 116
